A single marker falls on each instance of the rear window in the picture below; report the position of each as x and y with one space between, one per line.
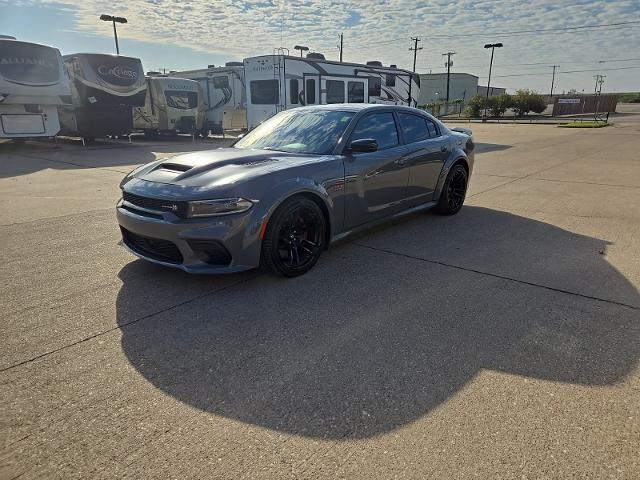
335 91
264 92
413 127
180 99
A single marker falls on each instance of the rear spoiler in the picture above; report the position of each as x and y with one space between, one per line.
466 131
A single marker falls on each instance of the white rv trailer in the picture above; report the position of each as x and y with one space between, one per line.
172 105
104 89
279 82
224 95
32 85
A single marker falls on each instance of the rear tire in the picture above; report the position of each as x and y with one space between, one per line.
454 191
294 239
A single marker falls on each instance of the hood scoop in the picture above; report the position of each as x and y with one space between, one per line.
174 167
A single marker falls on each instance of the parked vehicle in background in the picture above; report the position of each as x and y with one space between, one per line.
104 90
32 85
301 180
224 98
172 105
278 82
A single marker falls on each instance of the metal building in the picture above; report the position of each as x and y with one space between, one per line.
433 87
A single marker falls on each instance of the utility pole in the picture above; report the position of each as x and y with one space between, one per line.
597 92
553 79
415 49
449 64
341 39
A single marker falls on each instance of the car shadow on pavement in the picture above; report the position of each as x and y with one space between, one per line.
371 340
490 147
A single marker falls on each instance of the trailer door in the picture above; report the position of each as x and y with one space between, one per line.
311 89
343 90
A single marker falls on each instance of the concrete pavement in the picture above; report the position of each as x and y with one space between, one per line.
499 343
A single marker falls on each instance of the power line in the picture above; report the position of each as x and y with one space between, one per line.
568 71
559 30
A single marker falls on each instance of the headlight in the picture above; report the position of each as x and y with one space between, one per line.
220 206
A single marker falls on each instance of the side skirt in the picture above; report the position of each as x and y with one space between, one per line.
367 226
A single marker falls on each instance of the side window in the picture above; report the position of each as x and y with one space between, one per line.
294 90
310 91
379 126
413 127
335 91
375 86
264 92
433 129
221 82
355 92
391 80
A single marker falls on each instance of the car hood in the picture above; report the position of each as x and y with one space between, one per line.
220 167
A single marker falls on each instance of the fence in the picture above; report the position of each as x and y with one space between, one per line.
584 104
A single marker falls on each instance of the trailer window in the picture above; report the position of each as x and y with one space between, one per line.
310 91
391 80
375 86
355 92
221 82
180 99
265 92
335 91
294 90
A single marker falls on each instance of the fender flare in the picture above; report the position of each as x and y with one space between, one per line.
456 157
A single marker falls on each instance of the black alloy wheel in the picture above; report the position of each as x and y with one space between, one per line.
295 237
453 192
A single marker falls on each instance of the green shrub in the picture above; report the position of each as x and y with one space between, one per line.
525 101
475 105
499 104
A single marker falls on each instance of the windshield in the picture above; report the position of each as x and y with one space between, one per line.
180 99
315 132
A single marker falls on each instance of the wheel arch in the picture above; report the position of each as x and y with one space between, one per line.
445 171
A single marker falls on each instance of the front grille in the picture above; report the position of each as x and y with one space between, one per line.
210 251
179 208
162 250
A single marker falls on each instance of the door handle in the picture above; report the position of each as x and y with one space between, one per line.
443 148
400 162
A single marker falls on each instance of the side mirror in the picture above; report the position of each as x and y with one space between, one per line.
364 145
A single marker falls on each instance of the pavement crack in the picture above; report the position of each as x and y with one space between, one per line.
123 325
495 275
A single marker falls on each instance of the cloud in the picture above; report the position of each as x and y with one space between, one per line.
375 29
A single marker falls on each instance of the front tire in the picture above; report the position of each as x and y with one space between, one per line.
295 238
453 192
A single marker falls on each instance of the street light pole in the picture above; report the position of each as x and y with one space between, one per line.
114 20
492 46
302 48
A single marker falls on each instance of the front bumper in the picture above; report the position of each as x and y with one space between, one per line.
224 244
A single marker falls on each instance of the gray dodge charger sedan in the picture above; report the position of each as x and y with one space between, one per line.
300 181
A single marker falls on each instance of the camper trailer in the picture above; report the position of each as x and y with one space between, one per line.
172 105
279 82
224 96
104 89
32 85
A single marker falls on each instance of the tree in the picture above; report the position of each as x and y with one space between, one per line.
499 104
525 101
475 105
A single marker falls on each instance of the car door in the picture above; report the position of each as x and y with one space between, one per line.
375 182
427 152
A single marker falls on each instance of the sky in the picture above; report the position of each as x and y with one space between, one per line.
188 34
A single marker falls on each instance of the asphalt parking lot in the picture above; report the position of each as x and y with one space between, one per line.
500 343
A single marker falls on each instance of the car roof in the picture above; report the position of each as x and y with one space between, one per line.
358 107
